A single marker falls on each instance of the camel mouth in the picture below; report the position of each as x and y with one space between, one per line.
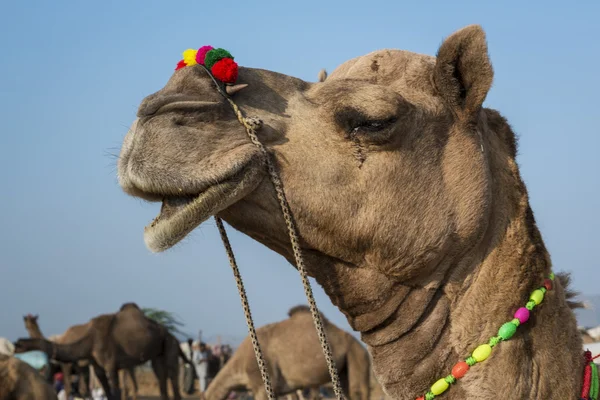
179 215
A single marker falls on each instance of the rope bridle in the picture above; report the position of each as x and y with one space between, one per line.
251 125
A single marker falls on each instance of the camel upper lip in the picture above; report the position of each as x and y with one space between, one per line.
136 187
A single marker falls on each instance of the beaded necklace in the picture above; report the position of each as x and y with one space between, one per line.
591 384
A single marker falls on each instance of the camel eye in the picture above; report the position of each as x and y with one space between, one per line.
372 126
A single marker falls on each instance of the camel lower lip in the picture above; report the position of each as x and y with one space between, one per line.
180 215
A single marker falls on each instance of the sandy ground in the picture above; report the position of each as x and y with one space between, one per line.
148 387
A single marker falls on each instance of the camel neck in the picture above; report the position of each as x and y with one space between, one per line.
72 352
227 380
542 361
35 332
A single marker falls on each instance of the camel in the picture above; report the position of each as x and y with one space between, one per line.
408 200
119 341
71 335
293 355
19 381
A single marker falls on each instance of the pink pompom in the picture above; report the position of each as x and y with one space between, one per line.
201 54
522 315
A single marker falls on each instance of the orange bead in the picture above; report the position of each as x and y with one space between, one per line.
421 398
548 284
460 369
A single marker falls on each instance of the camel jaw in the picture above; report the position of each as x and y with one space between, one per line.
179 215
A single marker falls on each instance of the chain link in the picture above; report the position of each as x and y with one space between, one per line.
295 242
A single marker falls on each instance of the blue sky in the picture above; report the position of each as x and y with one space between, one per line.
71 77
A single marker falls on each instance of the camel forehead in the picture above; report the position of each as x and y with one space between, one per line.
385 65
407 73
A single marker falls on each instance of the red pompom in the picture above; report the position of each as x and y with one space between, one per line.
225 70
180 64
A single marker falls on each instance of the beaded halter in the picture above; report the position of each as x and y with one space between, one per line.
221 67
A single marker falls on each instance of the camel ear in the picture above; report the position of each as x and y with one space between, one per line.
463 73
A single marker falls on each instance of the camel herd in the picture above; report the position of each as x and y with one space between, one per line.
126 339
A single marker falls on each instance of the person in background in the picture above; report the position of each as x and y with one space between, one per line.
59 386
188 351
200 360
189 372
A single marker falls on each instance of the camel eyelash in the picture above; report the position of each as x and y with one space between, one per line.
354 122
372 126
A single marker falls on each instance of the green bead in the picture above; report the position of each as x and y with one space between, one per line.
516 322
482 352
494 341
471 361
450 379
507 330
530 304
551 276
429 396
537 296
543 289
439 387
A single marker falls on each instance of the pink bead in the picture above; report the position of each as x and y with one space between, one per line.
522 315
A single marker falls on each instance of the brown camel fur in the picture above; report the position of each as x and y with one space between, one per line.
72 335
408 199
119 341
19 381
293 355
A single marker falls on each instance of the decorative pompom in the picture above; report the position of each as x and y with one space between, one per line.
201 54
215 55
225 70
189 56
180 64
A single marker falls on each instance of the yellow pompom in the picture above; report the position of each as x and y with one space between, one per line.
189 56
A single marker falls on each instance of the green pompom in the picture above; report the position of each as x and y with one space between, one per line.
215 55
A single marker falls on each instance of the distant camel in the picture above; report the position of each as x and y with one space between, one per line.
293 355
71 335
117 341
19 381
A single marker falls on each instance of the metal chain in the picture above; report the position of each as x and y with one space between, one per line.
249 321
250 126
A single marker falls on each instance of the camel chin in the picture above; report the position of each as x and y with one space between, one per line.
179 216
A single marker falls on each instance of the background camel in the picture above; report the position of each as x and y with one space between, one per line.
72 335
121 340
19 381
293 355
406 192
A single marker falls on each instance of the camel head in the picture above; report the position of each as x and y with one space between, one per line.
30 321
386 164
24 345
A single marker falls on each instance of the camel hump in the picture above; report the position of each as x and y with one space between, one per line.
129 305
302 309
